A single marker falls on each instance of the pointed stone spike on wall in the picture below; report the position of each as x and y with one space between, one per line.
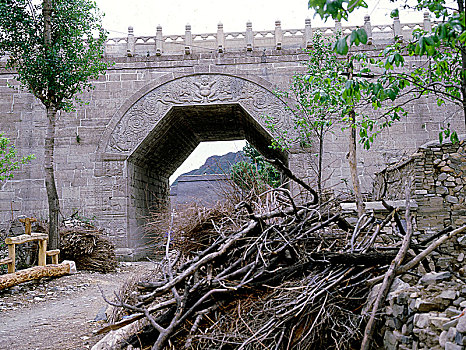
159 41
130 42
220 38
338 27
278 35
427 22
188 40
368 28
249 37
397 28
307 34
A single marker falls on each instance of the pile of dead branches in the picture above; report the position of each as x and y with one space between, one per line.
270 275
88 247
282 277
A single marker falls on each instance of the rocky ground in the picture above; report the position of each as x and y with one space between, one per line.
60 313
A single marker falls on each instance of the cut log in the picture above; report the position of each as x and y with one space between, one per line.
33 273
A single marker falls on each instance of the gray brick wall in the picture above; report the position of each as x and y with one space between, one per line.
99 184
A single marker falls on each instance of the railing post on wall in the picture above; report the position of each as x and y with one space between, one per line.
278 35
188 40
427 22
249 37
159 41
368 29
307 33
338 27
130 42
220 38
397 29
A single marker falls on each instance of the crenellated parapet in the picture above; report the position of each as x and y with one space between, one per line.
250 40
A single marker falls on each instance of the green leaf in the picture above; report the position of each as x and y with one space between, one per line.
395 13
354 38
391 94
362 35
341 46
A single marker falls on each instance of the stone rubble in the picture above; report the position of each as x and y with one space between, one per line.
430 314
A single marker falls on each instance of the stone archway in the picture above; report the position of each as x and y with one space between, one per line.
157 128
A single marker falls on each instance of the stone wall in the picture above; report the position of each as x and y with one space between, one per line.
427 315
147 113
439 184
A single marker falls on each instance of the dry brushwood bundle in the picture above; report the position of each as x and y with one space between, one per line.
87 246
192 227
289 277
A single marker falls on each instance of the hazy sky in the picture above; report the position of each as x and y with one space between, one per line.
204 15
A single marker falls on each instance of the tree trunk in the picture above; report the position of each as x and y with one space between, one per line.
353 165
461 9
319 169
52 196
47 13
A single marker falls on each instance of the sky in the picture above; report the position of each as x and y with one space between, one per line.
204 15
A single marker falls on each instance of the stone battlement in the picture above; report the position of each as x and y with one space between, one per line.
250 40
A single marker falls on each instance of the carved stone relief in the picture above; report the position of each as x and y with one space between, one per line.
137 122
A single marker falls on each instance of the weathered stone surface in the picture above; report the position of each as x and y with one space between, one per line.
461 326
450 324
452 346
449 294
421 320
434 277
154 110
452 199
452 311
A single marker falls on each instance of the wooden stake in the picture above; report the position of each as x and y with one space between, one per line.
12 256
27 224
42 252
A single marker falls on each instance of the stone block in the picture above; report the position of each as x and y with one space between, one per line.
450 324
421 320
461 326
449 294
434 277
452 346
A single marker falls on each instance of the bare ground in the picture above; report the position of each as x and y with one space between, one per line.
60 313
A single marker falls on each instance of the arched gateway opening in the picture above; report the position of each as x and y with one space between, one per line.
159 127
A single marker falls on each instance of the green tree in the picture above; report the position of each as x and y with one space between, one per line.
55 48
257 173
317 102
329 93
443 73
8 158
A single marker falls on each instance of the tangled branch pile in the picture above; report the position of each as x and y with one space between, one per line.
88 247
275 276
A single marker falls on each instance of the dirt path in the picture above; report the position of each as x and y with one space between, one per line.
60 313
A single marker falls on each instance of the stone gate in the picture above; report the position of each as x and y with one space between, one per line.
163 96
160 125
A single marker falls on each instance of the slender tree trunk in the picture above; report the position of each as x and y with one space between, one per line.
319 169
52 196
353 164
461 9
